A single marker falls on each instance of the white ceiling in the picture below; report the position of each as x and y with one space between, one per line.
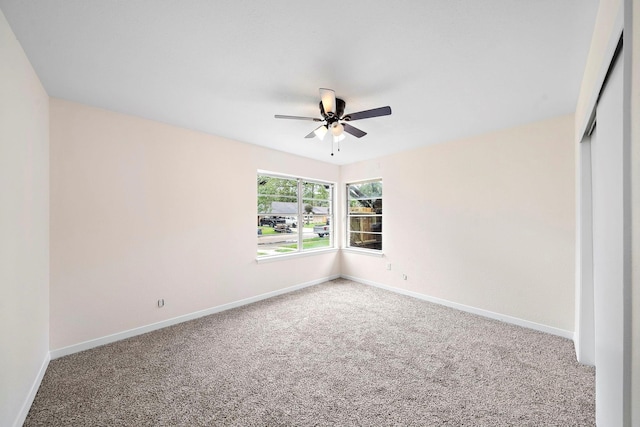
447 68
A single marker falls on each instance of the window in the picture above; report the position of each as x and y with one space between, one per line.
364 215
294 215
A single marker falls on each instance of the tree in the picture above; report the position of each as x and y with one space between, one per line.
308 210
276 189
315 191
271 189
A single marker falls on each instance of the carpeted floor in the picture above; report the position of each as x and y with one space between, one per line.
339 353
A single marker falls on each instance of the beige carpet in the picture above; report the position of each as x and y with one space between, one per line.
339 353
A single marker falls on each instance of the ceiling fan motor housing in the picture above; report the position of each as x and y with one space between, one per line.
340 104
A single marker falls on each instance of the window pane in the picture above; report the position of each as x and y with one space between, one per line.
283 205
279 237
277 195
365 240
318 234
364 211
364 206
273 221
314 190
289 224
319 210
365 189
366 223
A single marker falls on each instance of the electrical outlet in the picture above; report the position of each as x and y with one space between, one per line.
389 266
161 303
404 276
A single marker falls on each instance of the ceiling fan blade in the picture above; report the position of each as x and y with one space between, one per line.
313 119
328 97
320 132
376 112
353 131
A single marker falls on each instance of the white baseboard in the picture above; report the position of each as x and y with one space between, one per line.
28 401
86 345
481 312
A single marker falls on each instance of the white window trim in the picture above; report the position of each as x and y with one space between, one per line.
361 251
282 257
352 249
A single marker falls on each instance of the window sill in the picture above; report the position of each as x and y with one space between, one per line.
273 258
368 252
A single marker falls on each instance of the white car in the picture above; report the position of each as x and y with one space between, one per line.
322 230
291 221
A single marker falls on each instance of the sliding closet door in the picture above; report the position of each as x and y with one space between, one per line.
584 338
608 249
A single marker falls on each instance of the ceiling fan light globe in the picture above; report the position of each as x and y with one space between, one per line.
338 138
337 129
321 132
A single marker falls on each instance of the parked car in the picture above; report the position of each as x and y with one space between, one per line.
271 221
322 230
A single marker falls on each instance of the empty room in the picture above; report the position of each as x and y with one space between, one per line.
333 213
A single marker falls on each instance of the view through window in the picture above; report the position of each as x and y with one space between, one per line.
364 215
294 215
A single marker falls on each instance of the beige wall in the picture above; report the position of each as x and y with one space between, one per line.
24 229
141 211
486 222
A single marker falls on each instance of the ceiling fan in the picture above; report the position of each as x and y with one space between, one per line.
334 119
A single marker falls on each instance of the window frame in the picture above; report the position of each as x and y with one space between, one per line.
301 214
349 215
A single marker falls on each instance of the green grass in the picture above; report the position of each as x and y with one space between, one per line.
261 253
286 248
313 243
311 224
316 242
267 230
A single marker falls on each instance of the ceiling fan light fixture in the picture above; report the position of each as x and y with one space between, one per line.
337 129
338 138
321 132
